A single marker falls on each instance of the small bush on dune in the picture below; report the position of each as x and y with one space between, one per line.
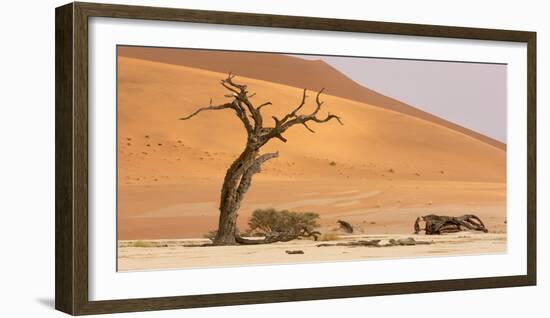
267 221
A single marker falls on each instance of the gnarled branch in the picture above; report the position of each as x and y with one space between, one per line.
219 107
245 109
291 119
295 111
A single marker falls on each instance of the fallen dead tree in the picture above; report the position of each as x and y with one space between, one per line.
273 237
292 252
438 224
406 242
376 243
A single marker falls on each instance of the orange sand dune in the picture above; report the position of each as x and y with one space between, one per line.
291 71
380 170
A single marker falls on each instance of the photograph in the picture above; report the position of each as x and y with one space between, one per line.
239 158
219 156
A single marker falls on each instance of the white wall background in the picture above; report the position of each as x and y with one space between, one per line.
27 157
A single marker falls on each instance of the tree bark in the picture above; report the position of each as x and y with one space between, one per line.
238 180
230 199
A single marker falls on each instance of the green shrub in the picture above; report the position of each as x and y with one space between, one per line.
266 221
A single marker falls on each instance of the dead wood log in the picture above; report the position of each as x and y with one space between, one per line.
279 237
346 226
406 242
440 224
294 252
371 243
376 243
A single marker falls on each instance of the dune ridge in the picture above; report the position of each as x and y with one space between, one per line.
291 71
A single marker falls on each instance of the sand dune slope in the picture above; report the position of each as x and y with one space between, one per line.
383 164
291 71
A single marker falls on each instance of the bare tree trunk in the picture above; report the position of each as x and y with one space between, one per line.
236 184
230 199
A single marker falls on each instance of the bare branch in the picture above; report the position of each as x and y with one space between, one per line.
241 96
277 121
291 119
302 103
329 117
279 136
238 110
255 114
263 158
318 101
224 106
242 115
307 127
229 80
263 105
223 82
295 111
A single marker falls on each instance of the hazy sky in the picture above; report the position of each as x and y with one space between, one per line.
469 94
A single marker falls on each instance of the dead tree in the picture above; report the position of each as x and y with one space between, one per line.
437 224
239 175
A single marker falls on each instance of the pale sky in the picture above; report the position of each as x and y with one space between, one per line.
472 95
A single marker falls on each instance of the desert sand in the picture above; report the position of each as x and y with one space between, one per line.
379 171
174 255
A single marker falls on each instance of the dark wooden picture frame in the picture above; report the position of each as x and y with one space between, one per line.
71 90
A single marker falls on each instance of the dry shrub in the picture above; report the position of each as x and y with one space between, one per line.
269 221
329 237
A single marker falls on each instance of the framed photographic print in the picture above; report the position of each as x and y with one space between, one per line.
219 158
